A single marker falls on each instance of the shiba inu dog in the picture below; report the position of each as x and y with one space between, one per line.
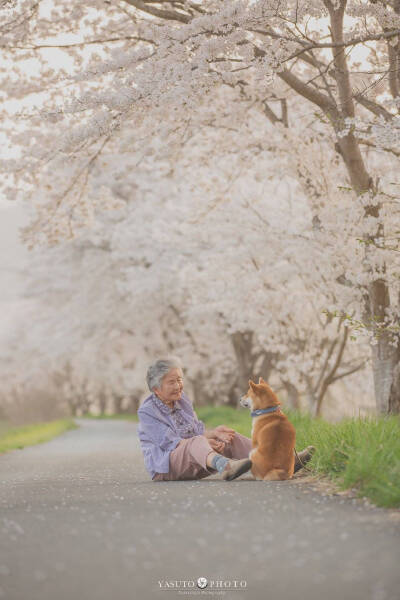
272 435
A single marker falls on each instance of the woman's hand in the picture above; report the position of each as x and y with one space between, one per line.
216 445
223 433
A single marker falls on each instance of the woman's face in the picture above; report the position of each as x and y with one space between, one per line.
171 386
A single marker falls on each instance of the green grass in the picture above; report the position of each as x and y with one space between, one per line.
4 426
358 453
238 419
363 454
12 438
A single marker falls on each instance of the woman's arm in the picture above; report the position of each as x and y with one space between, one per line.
223 433
152 430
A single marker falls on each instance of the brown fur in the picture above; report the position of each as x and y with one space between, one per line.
273 437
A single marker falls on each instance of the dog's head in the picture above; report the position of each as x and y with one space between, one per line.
259 396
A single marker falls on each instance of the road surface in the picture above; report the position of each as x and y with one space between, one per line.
81 519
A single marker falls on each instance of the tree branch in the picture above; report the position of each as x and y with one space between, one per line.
372 145
169 15
311 94
329 379
373 107
349 372
342 44
77 44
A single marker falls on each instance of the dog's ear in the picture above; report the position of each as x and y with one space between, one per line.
261 380
252 384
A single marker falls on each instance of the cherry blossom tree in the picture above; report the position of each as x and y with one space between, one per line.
161 275
146 80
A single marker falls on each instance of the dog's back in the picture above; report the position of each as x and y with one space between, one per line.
273 440
273 436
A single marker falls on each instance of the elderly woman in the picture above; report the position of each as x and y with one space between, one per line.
175 444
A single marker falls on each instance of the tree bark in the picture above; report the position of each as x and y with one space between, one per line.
134 401
394 394
102 402
201 397
293 396
118 404
248 366
242 345
386 369
384 355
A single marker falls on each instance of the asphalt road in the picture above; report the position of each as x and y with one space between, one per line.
80 518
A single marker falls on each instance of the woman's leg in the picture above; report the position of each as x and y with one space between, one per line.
239 447
188 460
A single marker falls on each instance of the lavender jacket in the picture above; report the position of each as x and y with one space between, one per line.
162 428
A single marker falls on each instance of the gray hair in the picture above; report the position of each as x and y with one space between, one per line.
161 367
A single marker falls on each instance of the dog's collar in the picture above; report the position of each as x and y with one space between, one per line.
263 411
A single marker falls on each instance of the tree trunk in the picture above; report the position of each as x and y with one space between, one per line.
242 345
84 403
201 397
233 396
249 365
102 402
385 357
293 396
133 403
118 404
386 370
312 403
72 407
394 394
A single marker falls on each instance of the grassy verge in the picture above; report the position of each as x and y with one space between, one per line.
356 453
238 419
18 437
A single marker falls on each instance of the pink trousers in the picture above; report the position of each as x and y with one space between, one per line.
188 459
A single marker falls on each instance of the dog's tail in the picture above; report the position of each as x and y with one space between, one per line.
276 475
